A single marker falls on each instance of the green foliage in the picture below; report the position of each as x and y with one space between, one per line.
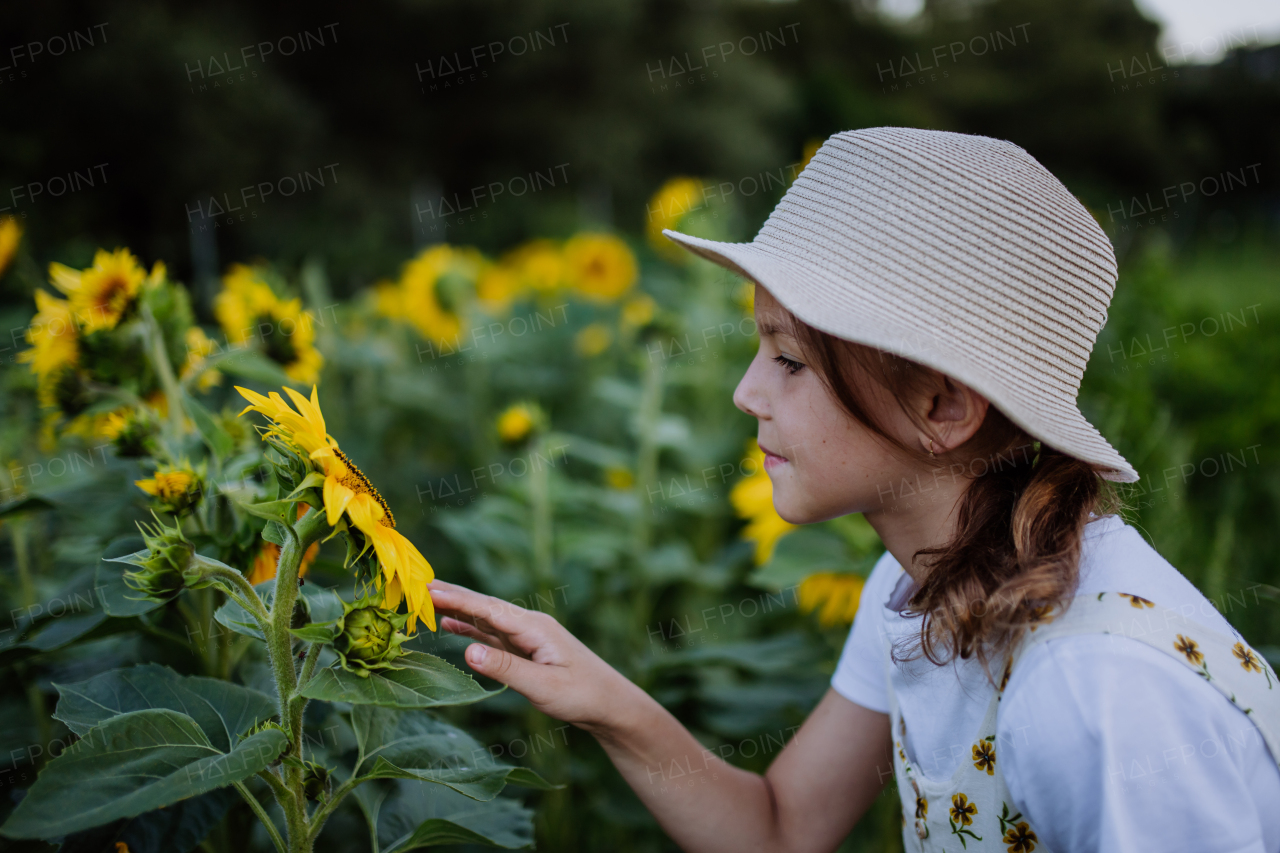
130 764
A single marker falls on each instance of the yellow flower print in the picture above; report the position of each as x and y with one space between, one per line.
1248 660
922 808
962 811
962 814
984 757
1138 601
1190 648
1008 670
1020 838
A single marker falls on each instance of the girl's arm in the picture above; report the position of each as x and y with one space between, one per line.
814 792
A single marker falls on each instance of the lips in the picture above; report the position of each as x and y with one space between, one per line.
771 459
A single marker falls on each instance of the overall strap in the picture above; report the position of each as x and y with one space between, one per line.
1227 662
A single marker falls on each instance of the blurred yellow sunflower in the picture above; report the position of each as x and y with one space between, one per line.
837 594
349 495
248 309
199 348
10 237
619 478
668 205
752 498
103 293
55 344
599 266
592 339
638 310
417 296
538 264
518 420
496 286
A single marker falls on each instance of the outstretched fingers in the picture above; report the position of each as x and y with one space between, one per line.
489 614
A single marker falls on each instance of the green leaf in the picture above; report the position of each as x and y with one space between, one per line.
273 532
313 480
132 764
412 814
26 503
282 511
322 632
424 681
221 709
251 364
415 745
805 552
214 435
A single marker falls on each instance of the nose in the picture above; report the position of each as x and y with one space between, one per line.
749 395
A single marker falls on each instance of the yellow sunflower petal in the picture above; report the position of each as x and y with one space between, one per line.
336 499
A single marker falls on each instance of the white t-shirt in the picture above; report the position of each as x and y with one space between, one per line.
1109 745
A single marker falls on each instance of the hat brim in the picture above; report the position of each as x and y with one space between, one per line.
818 298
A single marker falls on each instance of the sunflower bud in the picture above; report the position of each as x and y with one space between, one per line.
370 637
165 567
176 488
133 433
315 781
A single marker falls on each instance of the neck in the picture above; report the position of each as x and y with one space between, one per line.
929 522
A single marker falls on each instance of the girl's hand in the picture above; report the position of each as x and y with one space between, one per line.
535 656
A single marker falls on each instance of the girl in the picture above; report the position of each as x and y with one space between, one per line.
1033 673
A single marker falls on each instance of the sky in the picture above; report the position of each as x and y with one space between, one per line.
1192 31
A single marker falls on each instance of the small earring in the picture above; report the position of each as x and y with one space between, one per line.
931 456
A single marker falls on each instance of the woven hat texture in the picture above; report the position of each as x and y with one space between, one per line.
957 251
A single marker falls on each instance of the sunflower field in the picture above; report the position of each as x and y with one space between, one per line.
241 428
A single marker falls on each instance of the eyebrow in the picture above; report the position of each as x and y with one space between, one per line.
768 328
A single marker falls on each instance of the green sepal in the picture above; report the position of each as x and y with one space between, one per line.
282 511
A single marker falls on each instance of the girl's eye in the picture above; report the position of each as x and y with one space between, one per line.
791 365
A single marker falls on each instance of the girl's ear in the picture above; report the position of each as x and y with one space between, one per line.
957 411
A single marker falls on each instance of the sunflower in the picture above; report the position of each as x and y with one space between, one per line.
103 294
516 422
199 348
752 498
593 339
837 593
177 488
350 497
538 264
496 286
10 237
637 311
599 266
247 305
55 344
668 206
433 288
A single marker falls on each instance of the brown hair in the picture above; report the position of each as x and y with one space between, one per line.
1016 549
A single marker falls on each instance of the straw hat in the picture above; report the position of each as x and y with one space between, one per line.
957 251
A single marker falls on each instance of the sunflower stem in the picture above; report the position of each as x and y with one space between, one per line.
305 531
168 381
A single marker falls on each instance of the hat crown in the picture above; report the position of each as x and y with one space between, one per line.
958 228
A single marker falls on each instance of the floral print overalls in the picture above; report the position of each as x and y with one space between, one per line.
973 810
